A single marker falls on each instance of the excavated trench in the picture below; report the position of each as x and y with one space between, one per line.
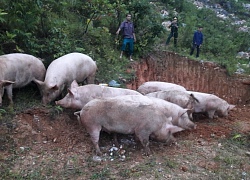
194 75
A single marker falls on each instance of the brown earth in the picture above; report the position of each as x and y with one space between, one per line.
55 146
40 144
194 75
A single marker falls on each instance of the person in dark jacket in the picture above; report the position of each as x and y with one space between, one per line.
197 41
174 31
128 31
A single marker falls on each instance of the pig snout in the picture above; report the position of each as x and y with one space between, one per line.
58 103
191 126
45 101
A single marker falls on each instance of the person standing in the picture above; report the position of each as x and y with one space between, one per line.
174 32
128 33
197 41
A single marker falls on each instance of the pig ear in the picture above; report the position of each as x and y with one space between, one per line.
54 87
6 83
230 107
194 98
182 112
173 129
190 111
74 84
70 92
38 83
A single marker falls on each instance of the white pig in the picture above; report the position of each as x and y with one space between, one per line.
181 98
211 104
180 117
126 117
63 71
78 96
17 70
153 86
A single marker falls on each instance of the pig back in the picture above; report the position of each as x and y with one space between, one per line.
181 98
112 91
153 86
73 66
21 68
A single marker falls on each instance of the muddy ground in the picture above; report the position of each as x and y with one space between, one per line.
43 144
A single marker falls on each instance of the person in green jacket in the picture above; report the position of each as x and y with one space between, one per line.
174 31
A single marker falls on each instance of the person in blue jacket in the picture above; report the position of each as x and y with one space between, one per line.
197 41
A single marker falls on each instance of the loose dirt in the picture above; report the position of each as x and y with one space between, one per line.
44 145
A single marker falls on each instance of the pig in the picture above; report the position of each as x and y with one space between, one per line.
153 86
181 98
180 117
78 96
18 70
63 71
127 117
211 104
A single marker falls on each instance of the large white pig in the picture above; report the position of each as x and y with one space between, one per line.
180 117
17 70
181 98
78 96
63 71
126 117
211 104
153 86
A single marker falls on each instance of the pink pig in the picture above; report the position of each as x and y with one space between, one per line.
211 104
78 96
17 70
63 71
127 116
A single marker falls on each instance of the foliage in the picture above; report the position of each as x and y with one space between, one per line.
49 29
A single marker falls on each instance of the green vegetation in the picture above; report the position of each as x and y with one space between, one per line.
48 29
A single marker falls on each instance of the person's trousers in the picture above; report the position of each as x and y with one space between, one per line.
129 41
172 34
198 50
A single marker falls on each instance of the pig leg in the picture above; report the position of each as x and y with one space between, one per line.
211 114
1 95
95 135
90 79
115 139
144 139
9 93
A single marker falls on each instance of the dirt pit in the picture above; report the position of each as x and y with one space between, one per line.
41 145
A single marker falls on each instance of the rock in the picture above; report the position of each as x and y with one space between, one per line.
184 168
97 158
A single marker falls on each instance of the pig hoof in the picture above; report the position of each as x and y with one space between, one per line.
99 153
